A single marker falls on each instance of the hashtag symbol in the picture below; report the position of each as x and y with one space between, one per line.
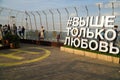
70 22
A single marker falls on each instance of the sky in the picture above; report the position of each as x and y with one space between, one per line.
33 5
46 5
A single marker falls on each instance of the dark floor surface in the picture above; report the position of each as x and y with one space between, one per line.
61 66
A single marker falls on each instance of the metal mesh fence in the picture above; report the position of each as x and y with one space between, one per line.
54 20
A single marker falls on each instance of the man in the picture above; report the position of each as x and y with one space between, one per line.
14 29
23 31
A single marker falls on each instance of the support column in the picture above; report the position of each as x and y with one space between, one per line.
87 10
46 19
67 13
39 17
112 8
60 20
29 19
34 20
52 19
76 11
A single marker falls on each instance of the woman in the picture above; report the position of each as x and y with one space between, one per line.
42 30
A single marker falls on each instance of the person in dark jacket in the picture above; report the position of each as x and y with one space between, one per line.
23 31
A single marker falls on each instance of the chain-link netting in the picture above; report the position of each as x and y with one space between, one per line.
54 21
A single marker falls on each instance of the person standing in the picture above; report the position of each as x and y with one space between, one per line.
9 30
5 29
20 31
14 29
1 35
58 37
23 31
42 30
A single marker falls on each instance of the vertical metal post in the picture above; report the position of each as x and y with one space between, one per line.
34 20
67 12
1 36
9 15
12 18
1 10
112 8
22 19
29 19
46 19
76 11
26 23
99 8
52 19
86 10
26 28
16 16
39 17
60 20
